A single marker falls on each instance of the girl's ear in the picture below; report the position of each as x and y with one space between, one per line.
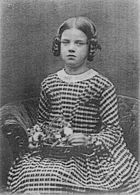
93 46
56 46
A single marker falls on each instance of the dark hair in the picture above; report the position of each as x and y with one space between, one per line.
85 25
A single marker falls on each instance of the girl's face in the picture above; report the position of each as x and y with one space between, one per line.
74 48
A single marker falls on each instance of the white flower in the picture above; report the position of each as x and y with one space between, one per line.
57 135
98 143
37 127
37 135
30 139
68 131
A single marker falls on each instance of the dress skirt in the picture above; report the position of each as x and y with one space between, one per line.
117 171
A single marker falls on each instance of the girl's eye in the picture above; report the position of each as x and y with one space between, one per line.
79 43
65 42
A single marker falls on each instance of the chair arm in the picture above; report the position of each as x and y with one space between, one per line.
14 121
129 121
16 136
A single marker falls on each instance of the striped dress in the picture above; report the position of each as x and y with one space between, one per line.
88 102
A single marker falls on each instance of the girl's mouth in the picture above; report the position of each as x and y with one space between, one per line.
71 55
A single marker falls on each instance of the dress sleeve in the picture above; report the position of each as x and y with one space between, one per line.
111 131
44 106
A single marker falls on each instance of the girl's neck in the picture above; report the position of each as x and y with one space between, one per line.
75 71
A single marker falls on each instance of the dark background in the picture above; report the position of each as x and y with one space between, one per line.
28 28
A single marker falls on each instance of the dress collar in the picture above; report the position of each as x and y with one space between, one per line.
75 78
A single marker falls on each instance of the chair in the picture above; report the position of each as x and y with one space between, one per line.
17 116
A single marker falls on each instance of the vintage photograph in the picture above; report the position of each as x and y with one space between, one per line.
69 94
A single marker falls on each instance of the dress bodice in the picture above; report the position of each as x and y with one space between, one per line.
77 98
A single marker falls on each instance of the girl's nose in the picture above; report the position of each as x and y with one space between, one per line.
71 50
71 47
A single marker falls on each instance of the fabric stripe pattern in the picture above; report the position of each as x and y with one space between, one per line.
90 106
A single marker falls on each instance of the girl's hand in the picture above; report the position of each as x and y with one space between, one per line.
77 139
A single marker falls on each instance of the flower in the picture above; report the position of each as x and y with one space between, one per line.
37 127
57 135
68 131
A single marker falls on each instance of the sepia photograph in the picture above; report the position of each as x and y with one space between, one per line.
69 97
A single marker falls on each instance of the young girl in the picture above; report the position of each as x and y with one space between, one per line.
87 102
